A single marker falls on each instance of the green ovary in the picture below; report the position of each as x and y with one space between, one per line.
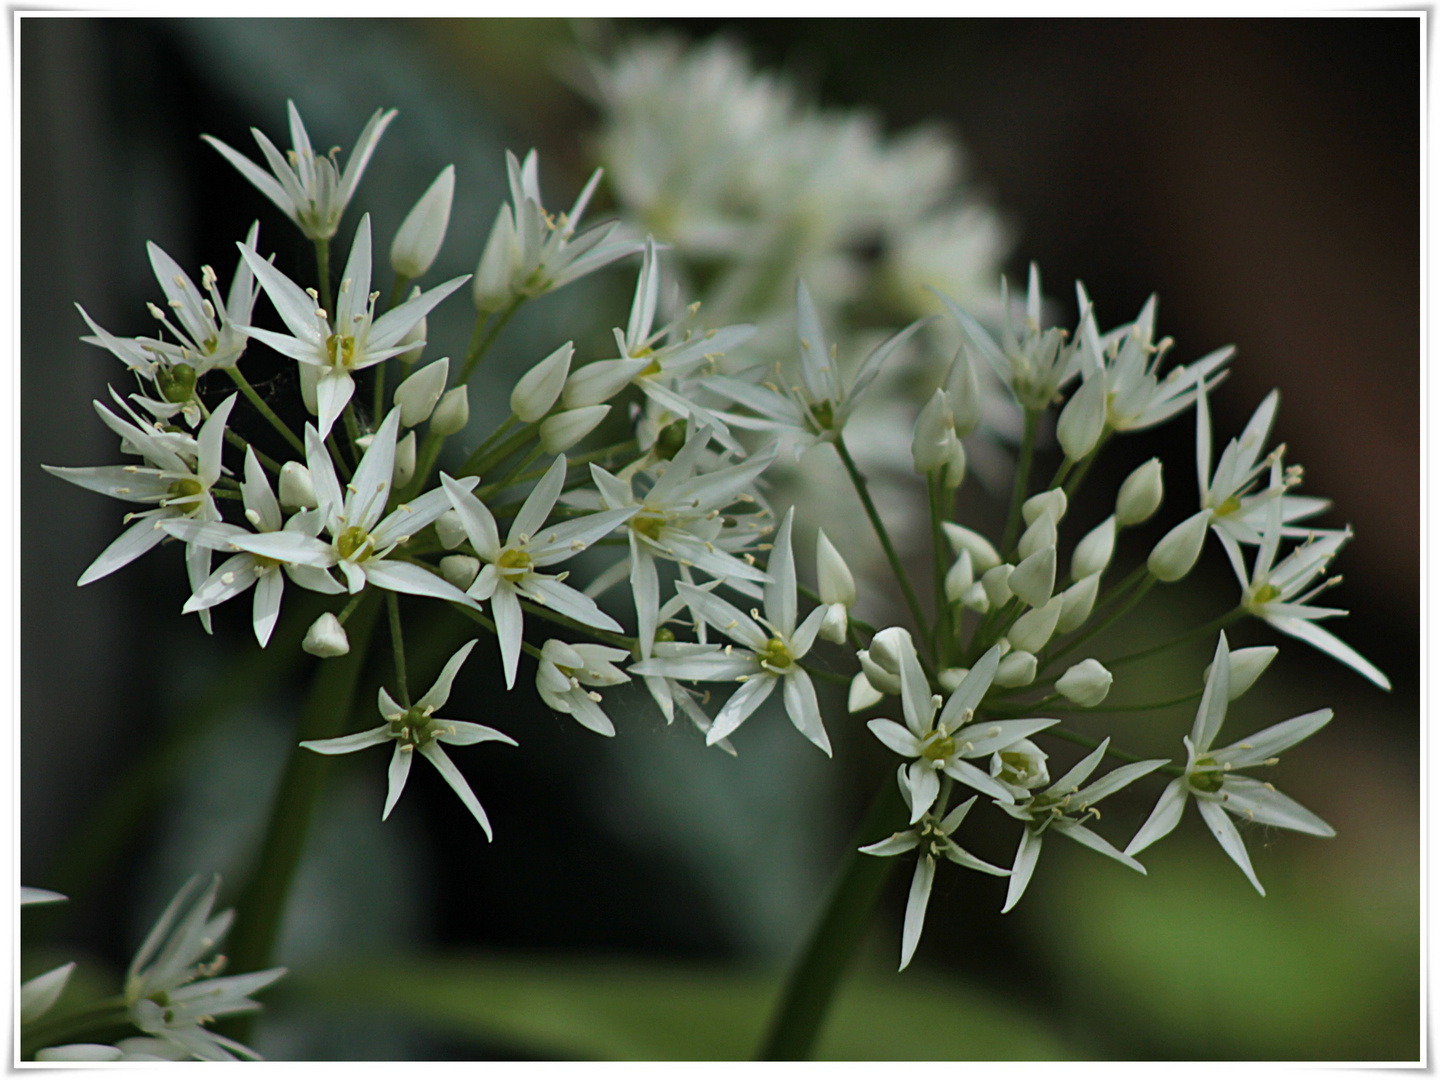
938 749
775 654
341 348
648 525
824 415
354 544
514 562
1206 776
186 488
1265 594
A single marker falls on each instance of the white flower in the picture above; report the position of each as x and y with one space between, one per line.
510 571
417 728
354 339
1063 807
530 252
1218 790
242 570
171 989
423 231
1280 593
818 409
932 836
311 190
565 670
945 744
768 656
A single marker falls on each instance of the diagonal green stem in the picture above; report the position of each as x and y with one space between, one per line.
322 268
255 399
1218 623
397 645
1022 481
479 345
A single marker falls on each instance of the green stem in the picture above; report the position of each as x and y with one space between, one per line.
261 907
812 982
479 346
429 453
99 1017
265 410
480 463
826 676
397 645
337 457
1218 623
1022 481
620 641
237 440
322 268
510 475
1118 755
397 291
1119 613
944 645
1073 484
896 566
475 616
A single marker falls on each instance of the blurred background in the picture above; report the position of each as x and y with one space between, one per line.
642 894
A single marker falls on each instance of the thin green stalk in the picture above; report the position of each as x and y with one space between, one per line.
352 430
479 346
479 464
397 645
1110 751
261 907
1022 480
397 291
510 475
1105 623
1073 484
96 1018
377 391
429 453
1218 623
897 567
814 597
264 409
827 676
944 644
340 463
475 616
238 441
620 641
810 987
322 268
495 436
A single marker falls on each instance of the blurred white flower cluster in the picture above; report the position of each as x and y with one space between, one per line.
664 454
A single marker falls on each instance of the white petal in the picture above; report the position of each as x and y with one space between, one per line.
1026 856
741 704
1253 801
803 708
1327 642
915 907
1229 838
1163 819
458 784
347 744
439 693
397 774
510 627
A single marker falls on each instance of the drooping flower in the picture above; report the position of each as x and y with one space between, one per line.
416 728
566 669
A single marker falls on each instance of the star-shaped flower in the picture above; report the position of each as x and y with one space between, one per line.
1218 790
564 672
417 728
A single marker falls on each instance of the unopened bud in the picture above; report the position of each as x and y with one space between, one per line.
423 230
1037 626
1247 665
889 645
448 528
960 578
862 694
418 394
326 637
1140 494
1086 684
1174 556
951 678
1082 421
452 412
414 337
837 585
1051 503
460 570
982 552
1079 602
309 380
963 387
1041 534
834 623
976 598
405 460
490 288
996 581
1017 669
1034 579
539 387
565 429
934 429
1093 553
297 490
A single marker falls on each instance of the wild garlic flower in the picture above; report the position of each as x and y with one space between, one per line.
932 836
943 744
767 656
1280 593
1064 806
511 569
354 339
1217 789
244 569
361 534
679 519
176 479
817 409
566 669
416 728
311 190
530 252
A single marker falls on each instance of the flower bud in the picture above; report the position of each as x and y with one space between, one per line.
1034 579
1079 602
565 429
423 230
1174 556
1082 421
996 582
1093 553
862 694
297 490
880 680
415 336
963 386
539 387
837 586
834 623
960 578
889 645
1086 684
1140 494
1017 669
490 288
982 552
448 528
951 678
933 428
1051 503
326 637
1037 626
460 570
976 599
404 460
418 394
1040 535
1247 665
452 412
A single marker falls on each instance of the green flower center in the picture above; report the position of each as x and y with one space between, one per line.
354 544
672 436
1229 506
1206 775
648 525
177 384
1015 768
824 414
664 633
341 348
414 728
514 560
186 488
775 654
938 749
1265 594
